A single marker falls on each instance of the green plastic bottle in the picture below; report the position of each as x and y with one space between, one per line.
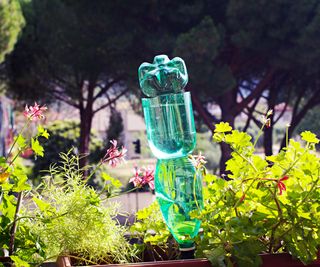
172 137
170 125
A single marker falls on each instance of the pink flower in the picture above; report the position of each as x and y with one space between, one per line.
136 179
143 176
198 161
34 112
113 155
148 176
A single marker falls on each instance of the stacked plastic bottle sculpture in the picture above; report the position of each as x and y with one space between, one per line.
172 136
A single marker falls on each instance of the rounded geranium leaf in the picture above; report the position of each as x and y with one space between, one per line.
223 127
309 137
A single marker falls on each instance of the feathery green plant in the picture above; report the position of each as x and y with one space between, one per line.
71 219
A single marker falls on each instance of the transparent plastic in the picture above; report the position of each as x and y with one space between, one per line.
172 136
179 192
170 125
163 76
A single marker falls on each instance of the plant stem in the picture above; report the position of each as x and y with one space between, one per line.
274 227
12 161
194 190
14 225
120 194
244 193
16 139
259 135
93 172
244 158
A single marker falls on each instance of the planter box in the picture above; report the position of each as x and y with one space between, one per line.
275 260
284 260
65 262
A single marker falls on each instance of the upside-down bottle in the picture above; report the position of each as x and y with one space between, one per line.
172 137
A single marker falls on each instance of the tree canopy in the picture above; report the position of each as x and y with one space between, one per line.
237 53
11 22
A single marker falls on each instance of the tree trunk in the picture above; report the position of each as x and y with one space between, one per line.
85 129
86 116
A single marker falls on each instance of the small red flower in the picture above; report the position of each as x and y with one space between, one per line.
242 198
34 112
113 155
281 185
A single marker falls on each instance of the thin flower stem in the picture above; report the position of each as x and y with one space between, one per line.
120 194
16 138
93 172
259 135
194 190
13 160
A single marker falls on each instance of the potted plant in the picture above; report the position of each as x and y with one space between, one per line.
76 225
14 185
70 218
269 205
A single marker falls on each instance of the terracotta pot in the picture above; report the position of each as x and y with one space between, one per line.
65 262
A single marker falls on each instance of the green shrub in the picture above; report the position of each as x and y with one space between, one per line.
270 205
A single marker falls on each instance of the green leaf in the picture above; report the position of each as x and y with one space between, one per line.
238 138
22 184
19 262
3 160
309 137
218 137
43 132
223 127
114 182
36 147
42 205
8 206
210 178
21 141
20 180
216 256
